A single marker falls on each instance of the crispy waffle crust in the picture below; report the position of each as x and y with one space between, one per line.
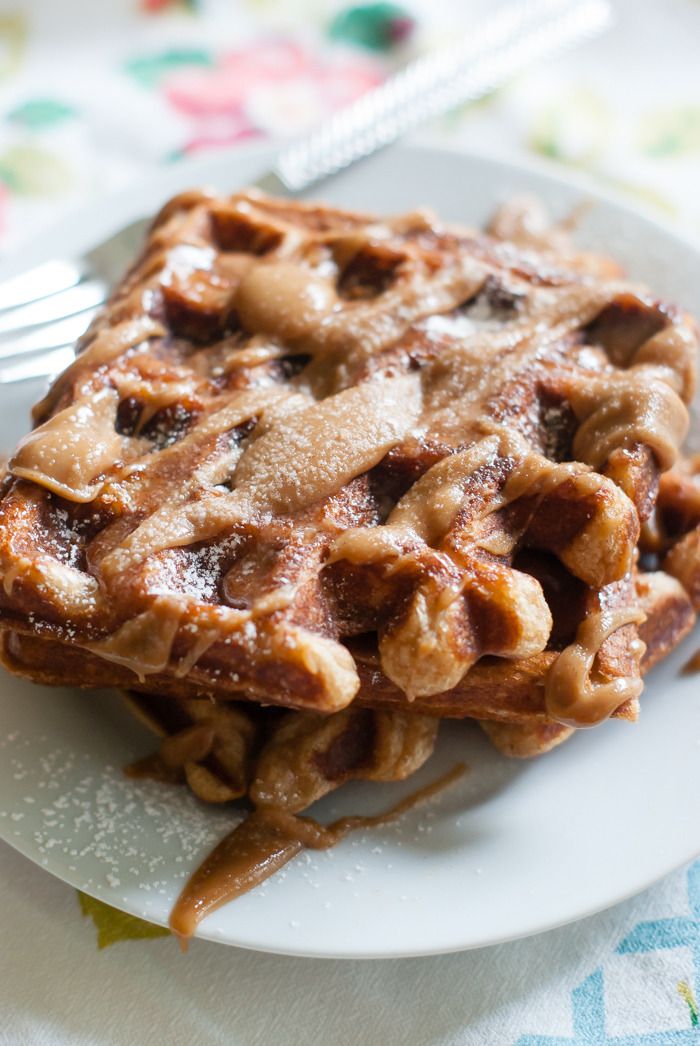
226 751
314 459
287 760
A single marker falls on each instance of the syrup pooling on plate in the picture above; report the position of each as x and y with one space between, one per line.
267 840
283 765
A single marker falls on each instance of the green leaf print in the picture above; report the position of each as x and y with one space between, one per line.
375 26
574 128
686 993
149 70
39 113
671 132
32 171
113 926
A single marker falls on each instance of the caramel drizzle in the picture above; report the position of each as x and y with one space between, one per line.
327 428
433 645
144 643
692 665
73 448
572 697
283 297
267 840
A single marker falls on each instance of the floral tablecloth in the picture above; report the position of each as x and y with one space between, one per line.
93 96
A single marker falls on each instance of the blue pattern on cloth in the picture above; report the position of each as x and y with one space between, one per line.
588 998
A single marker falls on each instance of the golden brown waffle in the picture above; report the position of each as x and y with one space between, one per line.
671 538
283 761
287 760
225 751
307 457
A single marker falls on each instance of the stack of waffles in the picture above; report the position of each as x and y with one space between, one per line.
317 480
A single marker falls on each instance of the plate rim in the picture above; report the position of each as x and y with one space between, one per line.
539 168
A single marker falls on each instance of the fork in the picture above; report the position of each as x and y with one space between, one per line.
44 310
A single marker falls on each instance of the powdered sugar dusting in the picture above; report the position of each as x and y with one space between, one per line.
131 834
67 804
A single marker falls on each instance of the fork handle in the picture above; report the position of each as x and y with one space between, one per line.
517 36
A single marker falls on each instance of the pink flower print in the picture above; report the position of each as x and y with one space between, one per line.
276 87
155 6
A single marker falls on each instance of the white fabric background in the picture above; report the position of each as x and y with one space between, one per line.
604 109
56 989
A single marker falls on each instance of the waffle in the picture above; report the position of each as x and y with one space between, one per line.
286 760
671 538
225 751
313 459
281 762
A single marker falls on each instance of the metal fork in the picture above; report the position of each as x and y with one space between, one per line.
45 310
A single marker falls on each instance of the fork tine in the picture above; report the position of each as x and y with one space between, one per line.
37 367
49 278
85 295
53 336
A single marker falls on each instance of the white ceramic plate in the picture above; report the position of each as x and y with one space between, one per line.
515 848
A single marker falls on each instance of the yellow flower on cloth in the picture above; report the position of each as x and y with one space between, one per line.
113 926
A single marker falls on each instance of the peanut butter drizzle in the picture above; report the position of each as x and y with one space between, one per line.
434 644
628 412
69 451
144 643
318 450
105 346
285 301
572 697
267 840
692 665
347 407
289 300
